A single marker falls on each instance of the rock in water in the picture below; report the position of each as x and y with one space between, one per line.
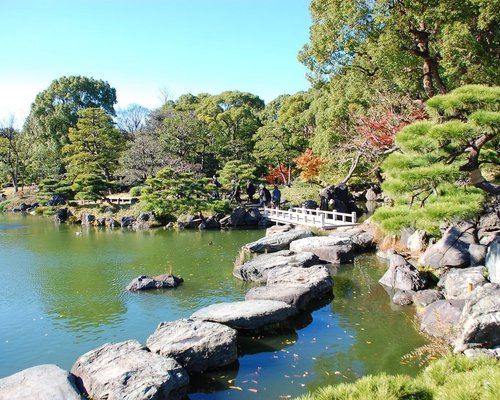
257 269
43 382
277 242
145 282
247 315
196 345
402 275
127 370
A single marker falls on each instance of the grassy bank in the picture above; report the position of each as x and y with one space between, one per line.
450 378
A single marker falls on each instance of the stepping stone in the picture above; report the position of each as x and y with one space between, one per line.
247 315
127 370
196 345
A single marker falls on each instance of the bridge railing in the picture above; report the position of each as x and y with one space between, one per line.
300 215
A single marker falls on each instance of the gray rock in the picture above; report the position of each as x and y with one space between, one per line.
316 278
362 237
252 217
257 269
278 229
209 223
402 275
332 249
452 250
476 353
111 223
298 296
62 215
188 222
56 200
238 217
196 345
43 382
423 298
277 242
416 242
405 234
87 219
145 217
141 226
385 255
127 222
492 261
440 319
458 283
145 282
403 297
371 195
127 370
477 254
479 324
295 286
247 315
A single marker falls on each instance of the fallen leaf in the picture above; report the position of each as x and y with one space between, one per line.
235 387
252 390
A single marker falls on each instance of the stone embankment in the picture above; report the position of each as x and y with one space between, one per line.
455 284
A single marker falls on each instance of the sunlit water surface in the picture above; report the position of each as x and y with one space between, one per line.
62 293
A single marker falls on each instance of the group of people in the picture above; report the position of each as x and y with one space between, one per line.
265 196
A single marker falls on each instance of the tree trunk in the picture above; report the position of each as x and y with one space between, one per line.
427 80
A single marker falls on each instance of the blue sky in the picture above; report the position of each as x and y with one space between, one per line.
143 48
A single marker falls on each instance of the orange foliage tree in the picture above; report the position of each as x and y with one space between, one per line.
309 165
279 175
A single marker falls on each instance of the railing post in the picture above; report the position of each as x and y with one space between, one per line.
353 216
322 219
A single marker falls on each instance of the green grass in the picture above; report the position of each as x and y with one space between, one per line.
450 378
299 192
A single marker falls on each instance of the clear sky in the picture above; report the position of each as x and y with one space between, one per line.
146 47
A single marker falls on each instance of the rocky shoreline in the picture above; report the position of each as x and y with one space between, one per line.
292 265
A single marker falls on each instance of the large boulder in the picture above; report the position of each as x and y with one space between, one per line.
402 275
416 242
440 318
277 242
492 261
257 269
278 229
62 215
332 249
238 217
127 222
145 282
56 200
250 315
196 345
479 324
43 382
127 370
452 250
458 283
87 219
295 286
362 237
210 223
253 217
489 225
423 298
403 297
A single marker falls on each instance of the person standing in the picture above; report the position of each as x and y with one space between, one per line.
250 189
324 196
276 197
264 196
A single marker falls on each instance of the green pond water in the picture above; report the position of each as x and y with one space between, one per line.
62 293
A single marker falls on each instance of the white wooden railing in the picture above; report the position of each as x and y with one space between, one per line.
310 217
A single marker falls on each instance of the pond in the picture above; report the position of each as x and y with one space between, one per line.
62 294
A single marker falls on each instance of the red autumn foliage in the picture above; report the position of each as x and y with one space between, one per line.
380 130
279 175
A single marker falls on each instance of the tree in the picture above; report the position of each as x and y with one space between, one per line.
55 111
309 165
15 152
429 46
232 118
439 158
143 157
236 170
171 193
132 119
95 145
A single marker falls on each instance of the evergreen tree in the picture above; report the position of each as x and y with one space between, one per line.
430 178
95 145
